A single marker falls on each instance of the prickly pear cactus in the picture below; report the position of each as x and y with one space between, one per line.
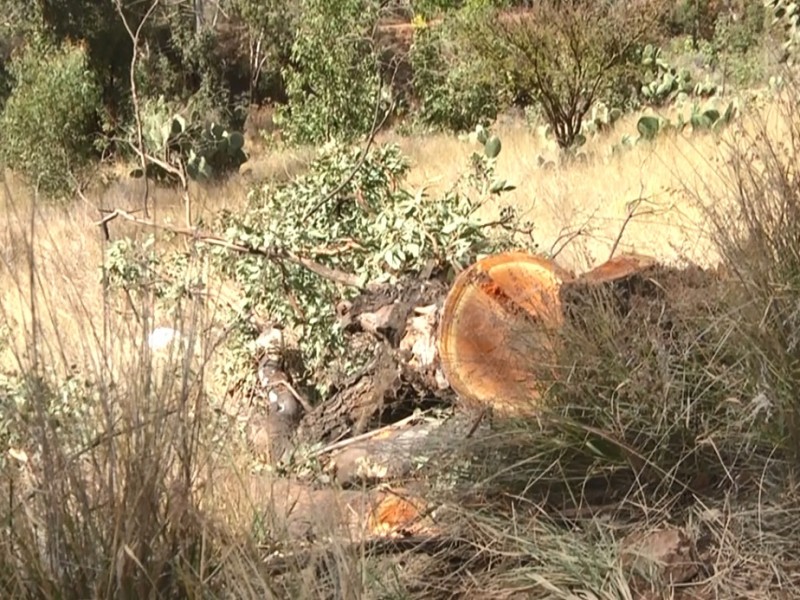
205 150
485 164
786 15
669 83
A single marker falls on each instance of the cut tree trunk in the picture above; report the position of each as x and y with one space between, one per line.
399 324
499 317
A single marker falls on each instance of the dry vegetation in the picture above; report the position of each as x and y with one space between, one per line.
699 435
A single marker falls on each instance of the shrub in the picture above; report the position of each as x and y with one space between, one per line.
332 82
270 31
454 90
565 55
694 17
739 33
50 118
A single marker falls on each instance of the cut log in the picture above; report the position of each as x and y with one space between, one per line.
399 513
397 324
295 512
391 453
499 317
351 410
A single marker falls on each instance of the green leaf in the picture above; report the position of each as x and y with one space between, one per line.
648 127
413 249
501 185
392 259
712 114
178 125
450 227
729 113
235 140
493 147
217 131
701 121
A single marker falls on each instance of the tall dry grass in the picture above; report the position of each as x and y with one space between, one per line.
120 476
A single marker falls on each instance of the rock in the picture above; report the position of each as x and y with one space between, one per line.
664 557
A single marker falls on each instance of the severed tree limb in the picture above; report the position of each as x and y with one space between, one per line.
369 434
335 275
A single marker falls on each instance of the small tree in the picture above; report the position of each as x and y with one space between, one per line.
270 28
50 119
565 54
454 90
332 81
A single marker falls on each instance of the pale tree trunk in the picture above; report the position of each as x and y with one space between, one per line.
199 15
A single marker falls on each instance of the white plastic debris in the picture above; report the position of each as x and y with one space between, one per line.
161 337
271 341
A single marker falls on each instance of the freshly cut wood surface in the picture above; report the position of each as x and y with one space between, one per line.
619 267
296 511
498 317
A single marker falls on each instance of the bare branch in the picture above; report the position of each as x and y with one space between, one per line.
135 35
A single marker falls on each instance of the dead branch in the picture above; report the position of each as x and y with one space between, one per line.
633 212
134 35
565 238
368 435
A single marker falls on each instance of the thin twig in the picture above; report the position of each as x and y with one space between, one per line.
134 35
570 236
632 212
376 127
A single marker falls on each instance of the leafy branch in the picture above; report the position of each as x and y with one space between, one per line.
321 270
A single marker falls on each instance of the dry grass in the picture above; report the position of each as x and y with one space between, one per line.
579 211
589 205
538 510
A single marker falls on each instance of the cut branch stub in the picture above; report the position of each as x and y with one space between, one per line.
497 329
619 267
612 284
397 513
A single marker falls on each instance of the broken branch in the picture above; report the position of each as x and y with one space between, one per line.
331 274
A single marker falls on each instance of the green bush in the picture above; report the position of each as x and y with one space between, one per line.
51 115
454 90
332 83
564 55
693 17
